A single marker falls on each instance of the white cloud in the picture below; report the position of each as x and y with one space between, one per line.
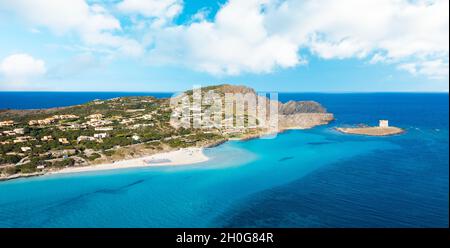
22 67
260 35
93 23
162 10
400 28
377 58
435 69
235 42
200 15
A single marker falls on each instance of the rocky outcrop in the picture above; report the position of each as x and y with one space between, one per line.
302 115
295 107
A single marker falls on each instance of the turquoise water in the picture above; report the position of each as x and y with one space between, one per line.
302 178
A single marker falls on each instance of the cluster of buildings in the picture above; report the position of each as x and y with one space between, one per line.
14 132
71 126
97 121
141 125
23 139
28 140
94 120
54 153
97 137
95 117
46 121
51 120
7 123
65 117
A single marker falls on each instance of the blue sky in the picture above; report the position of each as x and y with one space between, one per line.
271 45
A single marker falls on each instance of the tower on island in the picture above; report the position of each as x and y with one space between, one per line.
383 123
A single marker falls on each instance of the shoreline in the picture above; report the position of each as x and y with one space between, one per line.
183 156
17 176
180 157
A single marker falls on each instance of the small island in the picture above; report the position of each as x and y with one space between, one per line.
383 129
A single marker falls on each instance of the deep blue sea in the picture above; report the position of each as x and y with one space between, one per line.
302 178
39 100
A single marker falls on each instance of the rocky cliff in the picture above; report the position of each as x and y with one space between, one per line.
302 115
295 107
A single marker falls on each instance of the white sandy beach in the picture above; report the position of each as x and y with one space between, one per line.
183 156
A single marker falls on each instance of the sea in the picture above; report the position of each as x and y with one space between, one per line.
300 178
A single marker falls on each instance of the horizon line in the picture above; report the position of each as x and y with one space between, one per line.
268 91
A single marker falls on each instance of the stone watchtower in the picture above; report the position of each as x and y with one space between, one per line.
383 123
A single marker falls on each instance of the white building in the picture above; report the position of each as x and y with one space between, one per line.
85 138
65 117
383 123
23 139
146 117
6 123
9 133
25 149
19 131
104 128
100 135
95 117
134 110
47 138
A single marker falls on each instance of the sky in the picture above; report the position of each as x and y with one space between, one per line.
270 45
